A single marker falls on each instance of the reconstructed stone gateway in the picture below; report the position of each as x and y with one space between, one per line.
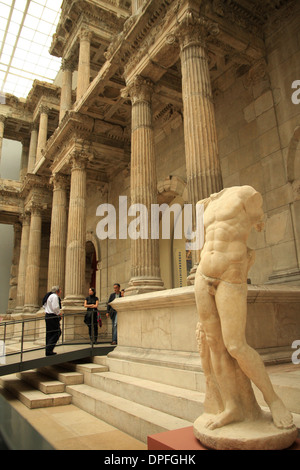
163 102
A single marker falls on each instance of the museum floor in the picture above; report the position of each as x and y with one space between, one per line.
70 428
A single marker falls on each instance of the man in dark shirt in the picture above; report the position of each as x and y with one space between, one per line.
112 312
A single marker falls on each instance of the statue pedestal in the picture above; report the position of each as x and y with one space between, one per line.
178 439
260 434
184 439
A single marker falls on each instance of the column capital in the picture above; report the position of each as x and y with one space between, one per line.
79 159
36 208
85 34
18 226
34 127
140 89
25 218
194 30
68 64
25 141
59 181
44 109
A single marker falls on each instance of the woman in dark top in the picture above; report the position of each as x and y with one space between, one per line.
91 303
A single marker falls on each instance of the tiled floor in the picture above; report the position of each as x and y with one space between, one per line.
69 428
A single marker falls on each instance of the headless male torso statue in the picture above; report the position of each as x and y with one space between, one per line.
229 363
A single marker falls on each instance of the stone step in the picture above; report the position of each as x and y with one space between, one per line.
102 360
192 379
42 382
137 420
285 379
31 397
85 368
180 402
66 376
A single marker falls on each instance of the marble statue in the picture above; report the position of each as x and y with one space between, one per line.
228 362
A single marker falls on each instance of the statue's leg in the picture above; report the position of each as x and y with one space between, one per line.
231 301
213 401
222 364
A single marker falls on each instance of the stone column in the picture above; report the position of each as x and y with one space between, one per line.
58 232
24 159
12 299
66 88
32 148
43 130
31 303
2 122
200 136
25 219
83 77
145 269
76 238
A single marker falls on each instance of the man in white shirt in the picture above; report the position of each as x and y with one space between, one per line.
52 318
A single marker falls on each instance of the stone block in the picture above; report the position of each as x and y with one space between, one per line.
263 103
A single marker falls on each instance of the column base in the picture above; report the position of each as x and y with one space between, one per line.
73 302
31 308
142 285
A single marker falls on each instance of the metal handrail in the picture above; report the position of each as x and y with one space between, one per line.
20 339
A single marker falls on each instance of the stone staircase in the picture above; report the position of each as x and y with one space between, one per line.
143 398
140 399
46 386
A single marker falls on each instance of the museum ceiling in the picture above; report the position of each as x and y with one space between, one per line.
122 45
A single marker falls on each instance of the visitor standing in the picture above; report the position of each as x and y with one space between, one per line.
112 312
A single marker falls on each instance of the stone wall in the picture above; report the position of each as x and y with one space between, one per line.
160 327
256 121
257 126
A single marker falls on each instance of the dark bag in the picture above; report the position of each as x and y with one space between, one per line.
91 316
88 318
46 298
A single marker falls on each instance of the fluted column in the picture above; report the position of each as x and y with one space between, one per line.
24 159
2 122
43 130
83 77
145 269
32 147
23 262
201 146
31 302
58 233
76 238
12 298
66 88
200 136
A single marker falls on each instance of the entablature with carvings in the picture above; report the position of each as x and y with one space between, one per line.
16 117
43 94
148 44
78 133
35 183
36 194
10 200
102 19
